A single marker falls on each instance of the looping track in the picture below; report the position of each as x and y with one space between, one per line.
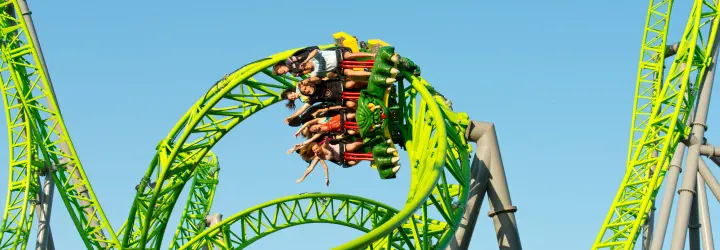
435 141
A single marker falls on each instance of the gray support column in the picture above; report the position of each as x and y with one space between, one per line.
704 213
687 189
709 179
694 227
648 228
501 208
716 160
43 210
709 150
90 211
671 50
671 180
212 220
478 187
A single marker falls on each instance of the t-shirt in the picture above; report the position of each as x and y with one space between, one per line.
329 91
324 62
301 54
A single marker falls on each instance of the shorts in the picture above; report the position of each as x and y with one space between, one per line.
339 51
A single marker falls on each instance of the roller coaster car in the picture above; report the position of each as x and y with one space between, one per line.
378 116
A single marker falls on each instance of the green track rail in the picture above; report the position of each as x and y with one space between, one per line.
664 128
21 61
246 227
39 141
202 193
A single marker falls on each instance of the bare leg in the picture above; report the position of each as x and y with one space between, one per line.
351 72
351 147
359 78
351 105
355 84
353 55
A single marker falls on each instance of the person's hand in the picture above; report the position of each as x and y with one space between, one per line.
297 133
315 114
293 149
287 120
299 180
305 82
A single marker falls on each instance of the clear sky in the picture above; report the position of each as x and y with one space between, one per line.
556 77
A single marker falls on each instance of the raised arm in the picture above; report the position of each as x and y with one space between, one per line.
313 80
313 138
327 175
309 169
323 110
299 110
309 123
312 54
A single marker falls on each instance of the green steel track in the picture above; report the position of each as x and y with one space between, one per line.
661 108
438 153
39 142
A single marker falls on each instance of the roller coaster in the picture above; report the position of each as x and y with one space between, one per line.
398 109
669 117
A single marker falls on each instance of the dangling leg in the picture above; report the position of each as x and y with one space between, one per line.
355 55
350 84
351 105
351 73
351 147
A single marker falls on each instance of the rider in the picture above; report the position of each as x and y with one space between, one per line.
330 152
311 167
326 63
292 63
327 91
318 127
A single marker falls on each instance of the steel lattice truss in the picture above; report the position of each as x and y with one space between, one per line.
435 141
202 193
661 112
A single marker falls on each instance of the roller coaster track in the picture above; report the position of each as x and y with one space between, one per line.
662 106
435 141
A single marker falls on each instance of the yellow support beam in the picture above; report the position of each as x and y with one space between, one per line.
376 44
346 40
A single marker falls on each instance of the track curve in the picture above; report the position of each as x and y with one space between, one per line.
435 152
199 202
438 153
290 211
192 137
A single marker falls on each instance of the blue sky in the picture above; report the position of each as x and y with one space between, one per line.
556 77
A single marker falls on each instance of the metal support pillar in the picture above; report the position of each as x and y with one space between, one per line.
671 180
716 160
44 210
479 177
709 179
501 209
212 220
687 190
694 226
648 228
704 213
89 211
